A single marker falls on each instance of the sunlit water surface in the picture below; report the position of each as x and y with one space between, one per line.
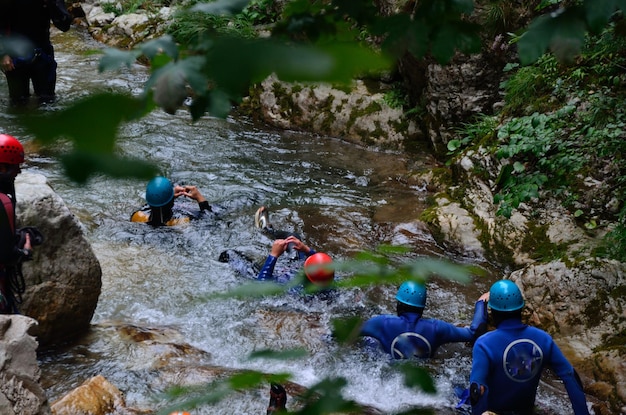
341 198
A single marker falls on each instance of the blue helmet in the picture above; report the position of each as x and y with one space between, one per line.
412 293
159 192
504 295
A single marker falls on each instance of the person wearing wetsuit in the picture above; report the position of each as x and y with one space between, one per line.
507 362
285 273
12 253
29 54
318 267
409 334
162 210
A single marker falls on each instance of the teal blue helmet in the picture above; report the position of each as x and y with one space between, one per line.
505 295
159 192
412 293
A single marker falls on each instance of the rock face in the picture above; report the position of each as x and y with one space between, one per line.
63 281
126 30
20 391
359 115
96 396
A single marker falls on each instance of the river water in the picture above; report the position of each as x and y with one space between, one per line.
341 198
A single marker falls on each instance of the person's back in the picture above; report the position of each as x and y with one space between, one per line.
31 19
410 335
507 363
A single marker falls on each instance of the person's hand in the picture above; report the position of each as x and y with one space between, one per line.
178 191
298 245
7 64
191 192
27 244
484 297
278 247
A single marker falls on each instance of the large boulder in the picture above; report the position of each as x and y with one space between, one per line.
20 391
63 281
96 396
357 114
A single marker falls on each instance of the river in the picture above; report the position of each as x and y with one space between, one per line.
341 198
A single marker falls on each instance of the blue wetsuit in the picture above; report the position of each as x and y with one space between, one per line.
409 335
286 270
284 273
508 362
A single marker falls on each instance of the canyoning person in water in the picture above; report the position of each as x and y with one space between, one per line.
507 362
296 255
162 209
16 245
408 334
29 54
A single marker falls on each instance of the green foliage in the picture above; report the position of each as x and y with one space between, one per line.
396 98
563 32
616 239
131 6
552 152
192 26
529 89
259 12
481 128
538 156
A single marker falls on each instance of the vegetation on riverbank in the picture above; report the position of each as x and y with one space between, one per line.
561 134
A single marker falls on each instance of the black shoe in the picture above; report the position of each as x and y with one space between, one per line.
278 399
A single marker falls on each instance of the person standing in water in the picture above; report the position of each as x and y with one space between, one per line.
507 362
29 54
408 334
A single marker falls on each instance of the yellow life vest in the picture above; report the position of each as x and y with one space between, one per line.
144 216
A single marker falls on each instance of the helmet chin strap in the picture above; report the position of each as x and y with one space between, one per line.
160 215
158 212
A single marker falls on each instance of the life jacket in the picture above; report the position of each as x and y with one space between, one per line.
7 300
143 216
10 212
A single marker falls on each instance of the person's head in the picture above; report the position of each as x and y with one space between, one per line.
505 301
319 270
11 156
411 298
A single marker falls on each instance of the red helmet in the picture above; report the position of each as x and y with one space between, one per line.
11 150
318 269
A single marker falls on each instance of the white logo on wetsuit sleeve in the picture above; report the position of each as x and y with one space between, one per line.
408 345
522 360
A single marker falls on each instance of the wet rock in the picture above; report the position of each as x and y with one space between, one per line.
20 391
63 279
457 229
96 396
358 115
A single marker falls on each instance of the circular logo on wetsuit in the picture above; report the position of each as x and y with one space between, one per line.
408 345
522 360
